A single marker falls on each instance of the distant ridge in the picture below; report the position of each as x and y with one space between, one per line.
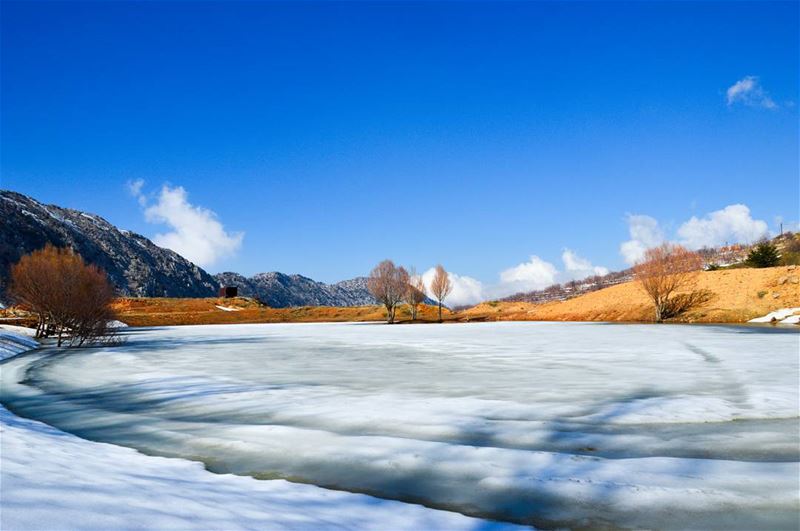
279 290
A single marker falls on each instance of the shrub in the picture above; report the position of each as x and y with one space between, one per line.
71 298
764 254
790 258
761 294
713 267
792 243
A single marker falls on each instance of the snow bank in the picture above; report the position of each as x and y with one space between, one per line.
15 340
783 316
54 480
19 330
227 308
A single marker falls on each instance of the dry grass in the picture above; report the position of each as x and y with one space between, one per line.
733 298
167 311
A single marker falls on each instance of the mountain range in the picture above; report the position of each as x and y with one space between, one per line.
139 268
279 290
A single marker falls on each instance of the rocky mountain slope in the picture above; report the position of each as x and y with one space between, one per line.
279 290
135 265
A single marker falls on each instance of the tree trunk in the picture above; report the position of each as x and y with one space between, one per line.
390 314
440 311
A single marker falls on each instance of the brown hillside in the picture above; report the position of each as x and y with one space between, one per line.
737 296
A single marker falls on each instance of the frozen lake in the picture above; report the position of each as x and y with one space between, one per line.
572 424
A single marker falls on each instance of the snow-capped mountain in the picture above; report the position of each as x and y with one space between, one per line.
134 264
279 290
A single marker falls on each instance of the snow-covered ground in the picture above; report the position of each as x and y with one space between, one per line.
51 480
549 423
15 340
783 316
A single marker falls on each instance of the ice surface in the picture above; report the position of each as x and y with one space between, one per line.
552 424
53 480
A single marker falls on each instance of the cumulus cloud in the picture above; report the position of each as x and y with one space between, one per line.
748 91
196 232
466 290
528 276
732 224
135 189
645 233
578 268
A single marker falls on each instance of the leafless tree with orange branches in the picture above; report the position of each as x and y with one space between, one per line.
665 271
415 292
441 286
72 299
389 285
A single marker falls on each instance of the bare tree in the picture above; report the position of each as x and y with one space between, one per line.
441 286
415 292
90 307
388 284
666 270
72 299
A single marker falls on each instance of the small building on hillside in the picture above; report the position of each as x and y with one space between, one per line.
228 292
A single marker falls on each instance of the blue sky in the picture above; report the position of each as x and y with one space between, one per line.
328 136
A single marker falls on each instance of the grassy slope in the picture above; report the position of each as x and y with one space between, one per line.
735 300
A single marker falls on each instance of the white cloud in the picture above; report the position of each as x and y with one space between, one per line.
732 224
528 276
645 233
197 234
748 91
578 268
135 189
466 290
